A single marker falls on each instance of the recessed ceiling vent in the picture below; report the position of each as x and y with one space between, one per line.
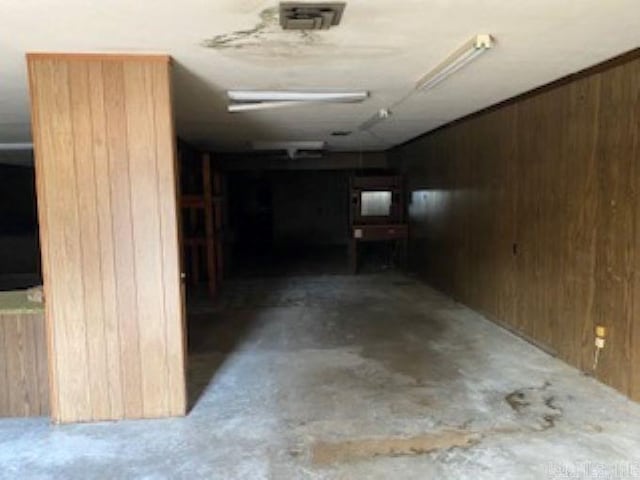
310 16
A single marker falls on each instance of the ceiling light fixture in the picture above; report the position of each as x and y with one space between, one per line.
287 96
292 148
16 146
246 100
247 107
458 59
378 117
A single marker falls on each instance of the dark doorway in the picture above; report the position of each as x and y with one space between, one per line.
288 222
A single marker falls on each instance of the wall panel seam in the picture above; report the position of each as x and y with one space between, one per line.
80 242
108 151
133 236
101 272
161 224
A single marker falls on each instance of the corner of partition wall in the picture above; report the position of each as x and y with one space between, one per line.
42 225
110 190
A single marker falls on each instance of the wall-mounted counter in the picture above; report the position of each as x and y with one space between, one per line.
24 385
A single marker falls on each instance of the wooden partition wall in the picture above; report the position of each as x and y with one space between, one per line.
106 187
24 386
530 212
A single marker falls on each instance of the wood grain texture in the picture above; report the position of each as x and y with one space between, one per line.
105 167
529 212
100 57
24 384
209 224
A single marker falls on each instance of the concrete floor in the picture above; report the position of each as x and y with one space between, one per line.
367 377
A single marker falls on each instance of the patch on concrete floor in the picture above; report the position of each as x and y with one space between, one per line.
328 453
536 406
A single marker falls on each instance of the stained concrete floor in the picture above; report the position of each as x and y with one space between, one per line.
341 377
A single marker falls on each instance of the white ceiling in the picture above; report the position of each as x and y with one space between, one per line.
383 46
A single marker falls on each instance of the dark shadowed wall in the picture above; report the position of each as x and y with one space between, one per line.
310 207
530 213
19 252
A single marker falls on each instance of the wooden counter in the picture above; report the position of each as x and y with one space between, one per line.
24 386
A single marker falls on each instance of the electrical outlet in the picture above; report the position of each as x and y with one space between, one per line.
599 342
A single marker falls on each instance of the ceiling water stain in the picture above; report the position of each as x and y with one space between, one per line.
267 29
267 43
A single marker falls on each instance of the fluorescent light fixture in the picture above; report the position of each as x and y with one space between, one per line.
458 59
299 145
378 117
16 146
247 107
276 96
247 100
291 147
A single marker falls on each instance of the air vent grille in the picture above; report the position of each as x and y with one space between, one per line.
310 16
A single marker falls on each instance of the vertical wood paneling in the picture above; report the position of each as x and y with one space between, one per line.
138 89
173 304
106 186
62 234
534 217
42 363
106 250
209 225
617 186
634 145
4 392
124 255
575 338
43 226
79 88
24 389
21 365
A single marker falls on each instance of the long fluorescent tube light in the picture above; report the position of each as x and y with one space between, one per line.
247 100
16 146
458 59
291 147
246 107
286 145
285 96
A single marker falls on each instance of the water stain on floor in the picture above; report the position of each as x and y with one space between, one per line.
328 453
535 406
537 411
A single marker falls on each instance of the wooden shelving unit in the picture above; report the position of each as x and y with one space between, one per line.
204 250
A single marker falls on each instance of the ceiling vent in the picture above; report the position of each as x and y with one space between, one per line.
310 16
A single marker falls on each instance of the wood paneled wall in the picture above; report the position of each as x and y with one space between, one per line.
530 213
106 187
24 385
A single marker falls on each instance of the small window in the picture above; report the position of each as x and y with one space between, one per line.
375 204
